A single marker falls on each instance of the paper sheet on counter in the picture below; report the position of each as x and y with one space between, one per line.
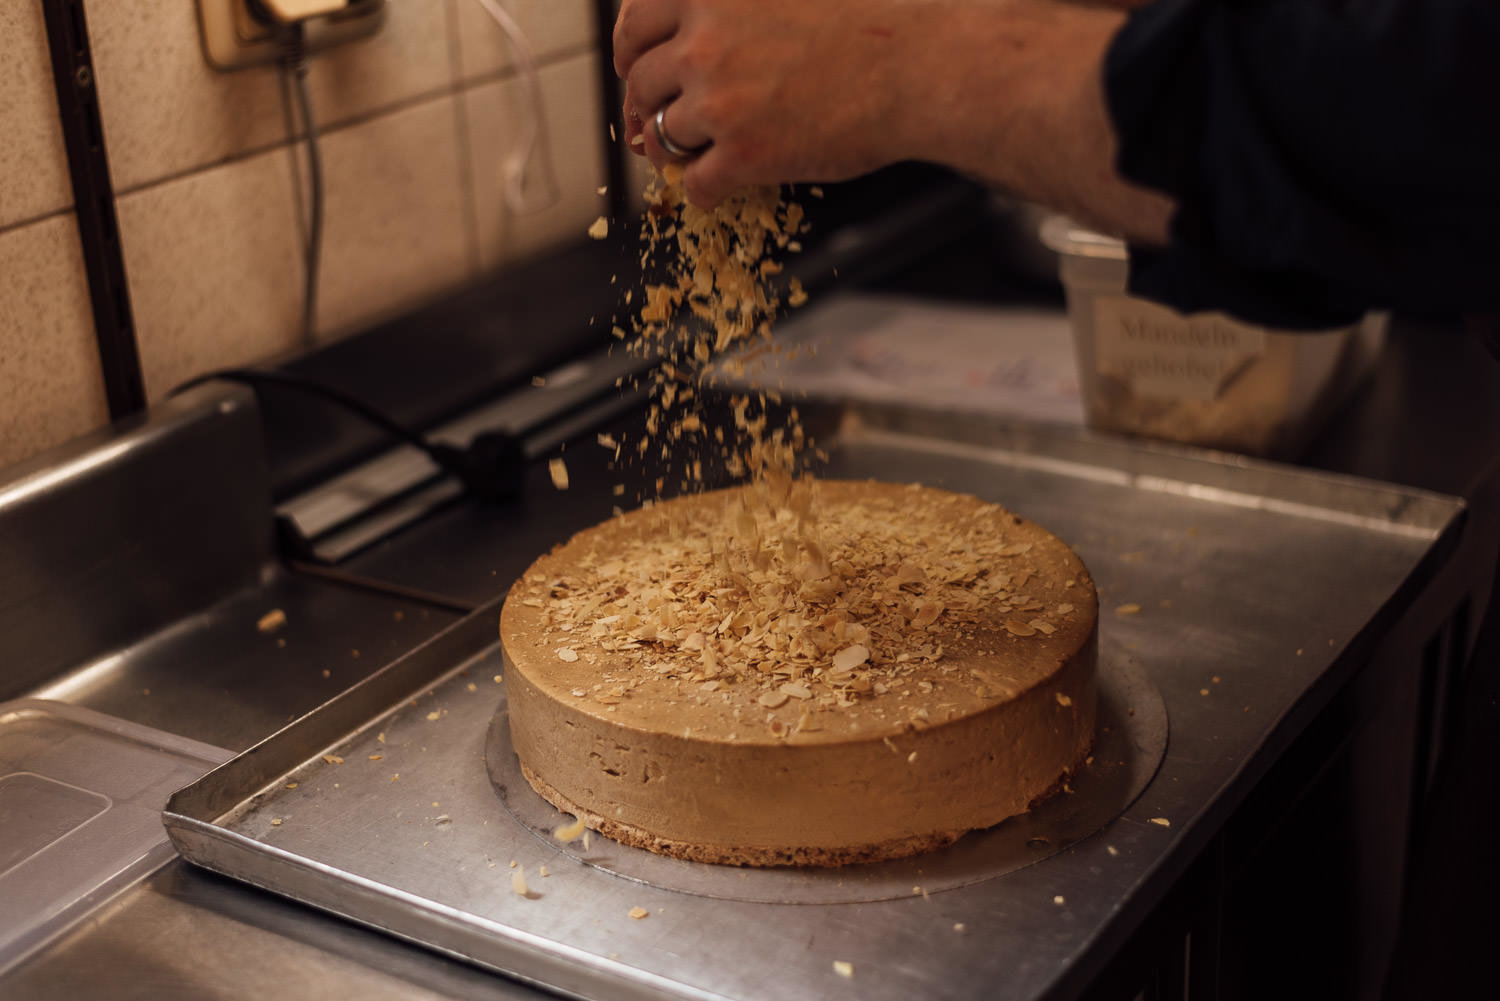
1005 361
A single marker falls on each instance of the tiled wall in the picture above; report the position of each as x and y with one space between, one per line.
416 124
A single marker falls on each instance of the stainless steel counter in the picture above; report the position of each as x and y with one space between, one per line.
214 675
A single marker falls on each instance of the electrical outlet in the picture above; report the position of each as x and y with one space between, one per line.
241 33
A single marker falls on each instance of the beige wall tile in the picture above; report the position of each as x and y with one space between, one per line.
33 163
214 261
51 388
551 27
395 217
409 58
215 258
494 114
166 111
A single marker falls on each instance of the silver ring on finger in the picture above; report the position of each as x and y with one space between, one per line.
658 123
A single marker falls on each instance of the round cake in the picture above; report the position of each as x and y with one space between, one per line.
806 673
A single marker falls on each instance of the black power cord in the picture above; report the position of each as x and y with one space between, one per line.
492 467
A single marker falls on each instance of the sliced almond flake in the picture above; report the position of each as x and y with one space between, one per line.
796 691
1130 608
1018 628
1063 700
559 472
567 654
637 913
851 657
927 614
518 883
571 831
773 700
843 969
600 228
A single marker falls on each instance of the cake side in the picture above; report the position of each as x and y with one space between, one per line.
746 801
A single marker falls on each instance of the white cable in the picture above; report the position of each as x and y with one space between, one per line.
535 141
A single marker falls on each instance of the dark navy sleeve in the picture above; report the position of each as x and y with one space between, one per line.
1326 156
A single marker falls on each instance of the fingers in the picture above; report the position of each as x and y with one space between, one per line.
654 86
651 80
654 81
672 143
707 182
641 26
634 125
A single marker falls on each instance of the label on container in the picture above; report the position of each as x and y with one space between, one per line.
1159 352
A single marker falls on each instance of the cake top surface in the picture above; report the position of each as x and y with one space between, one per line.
806 611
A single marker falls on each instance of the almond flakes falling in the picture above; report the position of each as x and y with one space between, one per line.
571 831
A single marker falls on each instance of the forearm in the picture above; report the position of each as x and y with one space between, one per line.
1013 94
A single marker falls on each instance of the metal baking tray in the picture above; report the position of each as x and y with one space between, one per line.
1229 590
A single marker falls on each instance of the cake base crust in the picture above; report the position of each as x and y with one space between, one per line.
748 855
627 834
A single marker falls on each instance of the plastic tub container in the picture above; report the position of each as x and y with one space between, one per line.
1203 379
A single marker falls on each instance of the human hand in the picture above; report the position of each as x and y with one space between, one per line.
771 90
